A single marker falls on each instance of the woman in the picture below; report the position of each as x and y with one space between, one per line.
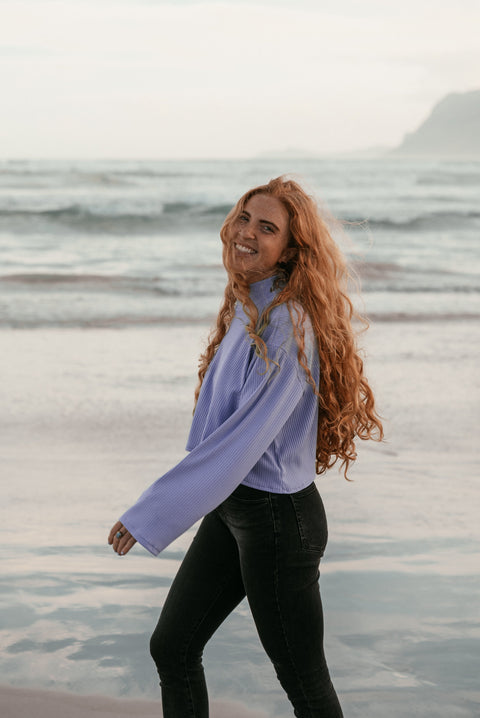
281 394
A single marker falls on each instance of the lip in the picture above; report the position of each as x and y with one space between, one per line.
238 246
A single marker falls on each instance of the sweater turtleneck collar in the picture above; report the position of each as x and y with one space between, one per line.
263 292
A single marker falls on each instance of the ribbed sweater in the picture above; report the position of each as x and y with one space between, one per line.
252 425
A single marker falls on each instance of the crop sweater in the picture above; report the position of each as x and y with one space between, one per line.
252 425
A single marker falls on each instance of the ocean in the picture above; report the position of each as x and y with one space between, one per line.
115 244
110 277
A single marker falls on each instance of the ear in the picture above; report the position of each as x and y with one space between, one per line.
287 255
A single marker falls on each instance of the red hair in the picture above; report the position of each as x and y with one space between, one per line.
314 277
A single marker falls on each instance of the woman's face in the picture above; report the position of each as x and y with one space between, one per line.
260 237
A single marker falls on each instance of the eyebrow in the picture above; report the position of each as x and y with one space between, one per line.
262 221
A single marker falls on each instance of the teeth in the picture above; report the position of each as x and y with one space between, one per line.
242 248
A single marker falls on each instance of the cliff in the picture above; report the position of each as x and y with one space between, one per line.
452 130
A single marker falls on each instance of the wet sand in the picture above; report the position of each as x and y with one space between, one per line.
89 418
23 703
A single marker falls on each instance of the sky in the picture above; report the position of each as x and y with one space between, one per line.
153 79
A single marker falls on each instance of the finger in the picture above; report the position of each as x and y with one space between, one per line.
119 542
116 527
119 537
120 548
130 543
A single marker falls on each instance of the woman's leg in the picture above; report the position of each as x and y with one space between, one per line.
205 590
280 543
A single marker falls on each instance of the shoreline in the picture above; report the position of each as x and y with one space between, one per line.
18 702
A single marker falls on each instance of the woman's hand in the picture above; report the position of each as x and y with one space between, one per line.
121 539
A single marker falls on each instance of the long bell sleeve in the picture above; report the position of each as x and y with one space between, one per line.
220 462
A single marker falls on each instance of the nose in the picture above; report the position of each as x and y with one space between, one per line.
247 231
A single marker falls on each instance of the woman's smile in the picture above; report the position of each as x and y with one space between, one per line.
244 249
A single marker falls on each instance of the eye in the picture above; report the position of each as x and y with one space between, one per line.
267 228
243 218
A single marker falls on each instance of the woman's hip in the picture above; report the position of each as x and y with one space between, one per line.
292 523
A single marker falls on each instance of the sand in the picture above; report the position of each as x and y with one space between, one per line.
25 703
89 418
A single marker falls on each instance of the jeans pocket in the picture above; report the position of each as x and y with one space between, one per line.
311 519
247 495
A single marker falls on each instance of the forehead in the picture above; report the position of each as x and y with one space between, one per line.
266 207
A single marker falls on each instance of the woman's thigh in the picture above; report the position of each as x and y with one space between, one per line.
281 538
205 590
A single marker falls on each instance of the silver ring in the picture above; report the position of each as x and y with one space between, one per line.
119 534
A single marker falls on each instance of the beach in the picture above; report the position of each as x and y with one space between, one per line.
400 576
16 703
95 409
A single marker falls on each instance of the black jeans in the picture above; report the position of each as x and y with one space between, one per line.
268 547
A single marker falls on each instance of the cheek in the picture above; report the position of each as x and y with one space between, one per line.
225 254
281 249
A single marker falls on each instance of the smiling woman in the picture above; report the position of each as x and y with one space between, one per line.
281 395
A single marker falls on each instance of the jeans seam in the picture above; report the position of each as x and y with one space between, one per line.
275 535
299 523
306 545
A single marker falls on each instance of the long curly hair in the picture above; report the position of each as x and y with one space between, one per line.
314 280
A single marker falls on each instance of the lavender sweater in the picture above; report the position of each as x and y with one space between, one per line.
251 425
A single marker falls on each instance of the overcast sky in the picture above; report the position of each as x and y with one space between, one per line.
155 79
